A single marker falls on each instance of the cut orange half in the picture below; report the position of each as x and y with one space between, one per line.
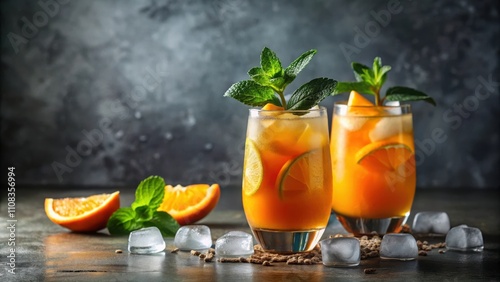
384 155
189 204
253 170
301 174
83 214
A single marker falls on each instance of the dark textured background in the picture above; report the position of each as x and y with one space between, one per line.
146 78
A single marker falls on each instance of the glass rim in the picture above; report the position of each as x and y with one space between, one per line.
342 109
312 110
343 104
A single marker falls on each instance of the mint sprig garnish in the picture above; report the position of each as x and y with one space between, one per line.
269 81
143 212
371 80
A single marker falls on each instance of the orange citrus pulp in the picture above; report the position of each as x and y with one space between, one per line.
356 99
83 214
388 155
297 173
189 204
272 107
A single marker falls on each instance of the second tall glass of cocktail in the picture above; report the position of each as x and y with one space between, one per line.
373 164
287 188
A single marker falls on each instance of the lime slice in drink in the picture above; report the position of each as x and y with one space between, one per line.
383 155
301 174
252 169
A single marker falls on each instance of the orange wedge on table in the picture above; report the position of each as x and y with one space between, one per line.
189 204
88 214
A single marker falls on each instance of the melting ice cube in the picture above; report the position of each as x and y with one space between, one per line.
352 123
193 237
234 244
391 126
431 222
398 246
393 111
340 252
146 241
464 238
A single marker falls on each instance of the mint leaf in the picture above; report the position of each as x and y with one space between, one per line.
401 93
276 101
122 222
361 72
383 75
297 65
311 93
379 72
270 80
258 75
165 222
377 64
361 87
149 193
143 213
370 81
270 63
250 93
278 83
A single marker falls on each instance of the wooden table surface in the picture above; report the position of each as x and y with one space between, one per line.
47 252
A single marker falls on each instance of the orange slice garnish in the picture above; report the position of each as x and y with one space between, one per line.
302 174
384 156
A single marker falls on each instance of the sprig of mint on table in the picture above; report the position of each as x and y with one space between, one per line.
370 81
144 211
269 81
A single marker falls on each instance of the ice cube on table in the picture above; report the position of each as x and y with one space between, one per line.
193 237
398 246
464 238
340 252
146 241
431 222
234 244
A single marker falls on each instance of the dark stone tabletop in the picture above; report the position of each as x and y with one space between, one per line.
47 252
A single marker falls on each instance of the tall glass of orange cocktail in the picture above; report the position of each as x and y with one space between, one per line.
373 164
287 188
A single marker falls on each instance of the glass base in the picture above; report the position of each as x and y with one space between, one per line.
341 264
401 259
368 226
147 249
470 249
278 241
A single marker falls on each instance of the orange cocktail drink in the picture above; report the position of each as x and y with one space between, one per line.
373 164
287 187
